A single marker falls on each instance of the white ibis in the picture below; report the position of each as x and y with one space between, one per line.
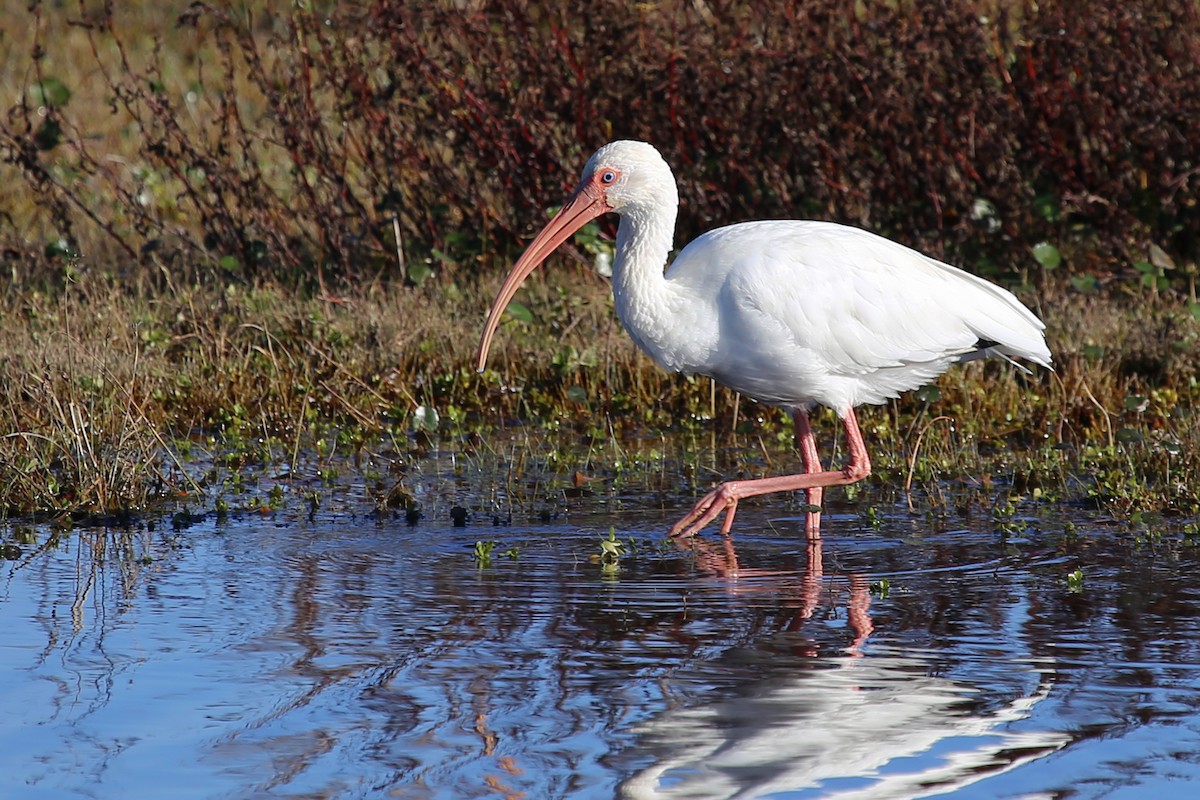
791 313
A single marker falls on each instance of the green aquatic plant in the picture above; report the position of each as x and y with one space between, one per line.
611 550
482 553
1074 581
872 516
484 549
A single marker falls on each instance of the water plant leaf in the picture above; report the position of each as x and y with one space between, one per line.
611 549
483 552
1075 581
1047 255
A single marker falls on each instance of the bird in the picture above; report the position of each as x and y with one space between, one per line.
792 313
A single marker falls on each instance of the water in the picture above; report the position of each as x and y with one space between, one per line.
349 655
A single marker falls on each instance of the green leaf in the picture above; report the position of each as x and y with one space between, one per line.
1128 436
59 248
1085 283
1075 581
520 312
577 394
1136 403
1046 206
419 273
228 263
1047 255
929 394
50 91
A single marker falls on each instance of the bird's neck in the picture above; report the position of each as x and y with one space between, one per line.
641 293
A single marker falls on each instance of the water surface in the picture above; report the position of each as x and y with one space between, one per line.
342 654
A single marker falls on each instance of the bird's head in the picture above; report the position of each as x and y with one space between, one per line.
629 174
624 177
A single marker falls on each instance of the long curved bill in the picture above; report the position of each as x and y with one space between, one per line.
585 205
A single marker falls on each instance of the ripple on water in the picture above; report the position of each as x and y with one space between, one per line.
363 659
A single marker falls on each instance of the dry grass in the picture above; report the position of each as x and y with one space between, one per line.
114 385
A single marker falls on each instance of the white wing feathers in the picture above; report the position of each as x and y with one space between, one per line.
853 317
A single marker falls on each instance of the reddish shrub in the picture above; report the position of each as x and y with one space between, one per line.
1070 119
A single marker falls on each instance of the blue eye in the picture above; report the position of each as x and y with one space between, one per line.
608 177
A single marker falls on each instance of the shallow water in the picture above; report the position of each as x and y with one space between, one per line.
349 655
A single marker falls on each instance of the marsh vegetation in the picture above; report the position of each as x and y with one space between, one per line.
237 235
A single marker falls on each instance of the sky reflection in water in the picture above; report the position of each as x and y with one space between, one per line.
356 658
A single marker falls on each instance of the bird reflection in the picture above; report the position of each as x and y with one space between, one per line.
864 723
721 560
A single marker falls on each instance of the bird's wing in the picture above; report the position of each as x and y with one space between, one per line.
860 303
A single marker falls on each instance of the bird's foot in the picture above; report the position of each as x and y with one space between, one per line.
723 498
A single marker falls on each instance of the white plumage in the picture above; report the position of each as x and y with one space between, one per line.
792 313
796 313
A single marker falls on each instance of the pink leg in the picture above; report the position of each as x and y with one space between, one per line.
726 496
859 612
807 445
